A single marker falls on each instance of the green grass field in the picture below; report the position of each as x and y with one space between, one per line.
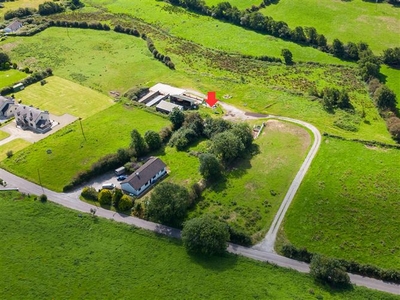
347 206
49 252
60 96
255 187
357 20
266 88
13 5
10 77
14 146
214 34
106 132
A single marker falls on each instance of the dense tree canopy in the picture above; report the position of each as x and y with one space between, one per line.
205 235
210 167
177 117
227 146
385 98
152 139
137 143
168 204
287 56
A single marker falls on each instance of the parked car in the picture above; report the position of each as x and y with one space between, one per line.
108 186
121 177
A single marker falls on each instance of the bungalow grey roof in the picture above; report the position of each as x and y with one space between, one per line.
14 26
168 106
142 175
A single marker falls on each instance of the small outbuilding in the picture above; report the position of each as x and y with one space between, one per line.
13 27
167 107
144 177
18 87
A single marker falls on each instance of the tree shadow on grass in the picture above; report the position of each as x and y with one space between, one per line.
335 290
218 263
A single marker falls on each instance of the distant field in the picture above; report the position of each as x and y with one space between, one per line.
255 188
10 77
49 252
13 5
357 20
347 206
106 132
14 146
214 34
60 96
253 85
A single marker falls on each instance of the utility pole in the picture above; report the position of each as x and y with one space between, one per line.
80 122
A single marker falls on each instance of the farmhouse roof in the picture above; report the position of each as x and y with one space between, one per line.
168 106
142 175
166 89
184 98
14 26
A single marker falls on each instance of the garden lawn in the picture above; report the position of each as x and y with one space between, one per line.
377 24
60 96
105 132
49 252
14 146
10 77
348 205
254 188
3 135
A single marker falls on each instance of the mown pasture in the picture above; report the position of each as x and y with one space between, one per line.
60 96
14 146
105 133
52 252
377 24
253 85
347 206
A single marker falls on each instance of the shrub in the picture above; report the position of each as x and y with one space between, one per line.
105 197
125 203
328 270
43 198
10 153
89 193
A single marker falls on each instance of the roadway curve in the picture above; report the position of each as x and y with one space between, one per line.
71 200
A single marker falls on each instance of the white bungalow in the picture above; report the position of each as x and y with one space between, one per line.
144 177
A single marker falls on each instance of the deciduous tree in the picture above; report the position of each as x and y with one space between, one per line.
205 235
328 270
152 139
168 204
210 167
137 143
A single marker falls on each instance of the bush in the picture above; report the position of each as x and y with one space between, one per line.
89 193
43 198
125 203
105 197
329 270
10 153
239 237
